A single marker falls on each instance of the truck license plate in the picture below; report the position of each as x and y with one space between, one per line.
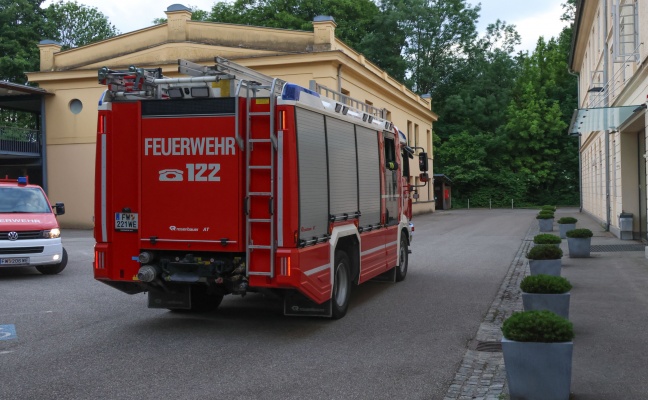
126 222
14 261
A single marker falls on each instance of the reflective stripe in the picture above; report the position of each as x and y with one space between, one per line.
391 244
280 182
104 222
316 270
375 249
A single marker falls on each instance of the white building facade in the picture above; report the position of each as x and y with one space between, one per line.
609 56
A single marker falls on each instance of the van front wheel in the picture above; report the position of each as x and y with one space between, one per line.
54 268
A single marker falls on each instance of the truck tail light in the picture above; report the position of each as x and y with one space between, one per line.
100 260
285 266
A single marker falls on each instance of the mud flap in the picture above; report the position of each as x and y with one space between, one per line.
389 276
178 299
298 305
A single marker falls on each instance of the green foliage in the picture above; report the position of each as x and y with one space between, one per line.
544 252
21 28
579 233
548 208
567 220
354 18
545 215
545 284
546 238
23 24
72 24
537 326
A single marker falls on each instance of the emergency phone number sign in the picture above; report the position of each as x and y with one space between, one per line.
126 222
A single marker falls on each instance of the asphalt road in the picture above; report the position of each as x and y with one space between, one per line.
76 338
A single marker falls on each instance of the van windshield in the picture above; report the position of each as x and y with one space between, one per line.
23 200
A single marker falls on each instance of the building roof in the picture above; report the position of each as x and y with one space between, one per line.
14 96
443 178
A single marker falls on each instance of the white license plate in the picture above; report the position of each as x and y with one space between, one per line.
14 261
126 221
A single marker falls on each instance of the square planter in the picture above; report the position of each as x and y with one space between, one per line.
556 303
538 371
546 267
545 225
579 247
564 228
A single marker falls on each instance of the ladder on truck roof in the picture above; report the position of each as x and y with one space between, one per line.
260 154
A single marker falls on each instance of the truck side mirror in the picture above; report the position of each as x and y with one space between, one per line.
424 177
60 208
423 161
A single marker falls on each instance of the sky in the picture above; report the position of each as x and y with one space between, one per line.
531 18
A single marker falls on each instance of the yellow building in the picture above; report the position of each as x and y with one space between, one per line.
609 55
316 59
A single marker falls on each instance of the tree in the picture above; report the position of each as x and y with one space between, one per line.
196 15
439 34
355 18
21 28
539 147
73 24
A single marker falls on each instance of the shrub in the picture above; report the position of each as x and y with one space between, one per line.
537 326
545 284
543 215
544 252
548 208
567 220
579 233
546 238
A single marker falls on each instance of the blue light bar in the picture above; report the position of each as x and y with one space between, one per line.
292 91
22 180
101 98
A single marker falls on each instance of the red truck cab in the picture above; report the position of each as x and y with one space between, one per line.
29 231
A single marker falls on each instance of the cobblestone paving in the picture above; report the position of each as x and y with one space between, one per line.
481 375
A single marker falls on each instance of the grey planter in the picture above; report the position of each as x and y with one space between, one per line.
556 303
579 247
545 225
538 371
564 228
546 267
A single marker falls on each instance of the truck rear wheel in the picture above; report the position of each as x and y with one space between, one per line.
403 260
54 268
341 285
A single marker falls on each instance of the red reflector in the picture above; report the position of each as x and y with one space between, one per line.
102 124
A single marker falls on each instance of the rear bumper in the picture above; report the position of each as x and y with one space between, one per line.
52 251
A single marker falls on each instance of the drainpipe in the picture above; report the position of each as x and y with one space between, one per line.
606 103
580 161
43 135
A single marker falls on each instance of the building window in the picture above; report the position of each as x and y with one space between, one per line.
345 96
75 106
626 30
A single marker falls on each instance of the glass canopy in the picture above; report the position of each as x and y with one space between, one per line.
586 120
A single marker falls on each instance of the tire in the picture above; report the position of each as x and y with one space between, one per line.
55 268
403 259
341 292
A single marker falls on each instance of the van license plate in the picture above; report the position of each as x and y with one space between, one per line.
127 222
14 261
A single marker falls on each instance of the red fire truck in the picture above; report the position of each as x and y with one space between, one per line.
228 181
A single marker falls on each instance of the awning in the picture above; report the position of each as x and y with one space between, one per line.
586 120
14 96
